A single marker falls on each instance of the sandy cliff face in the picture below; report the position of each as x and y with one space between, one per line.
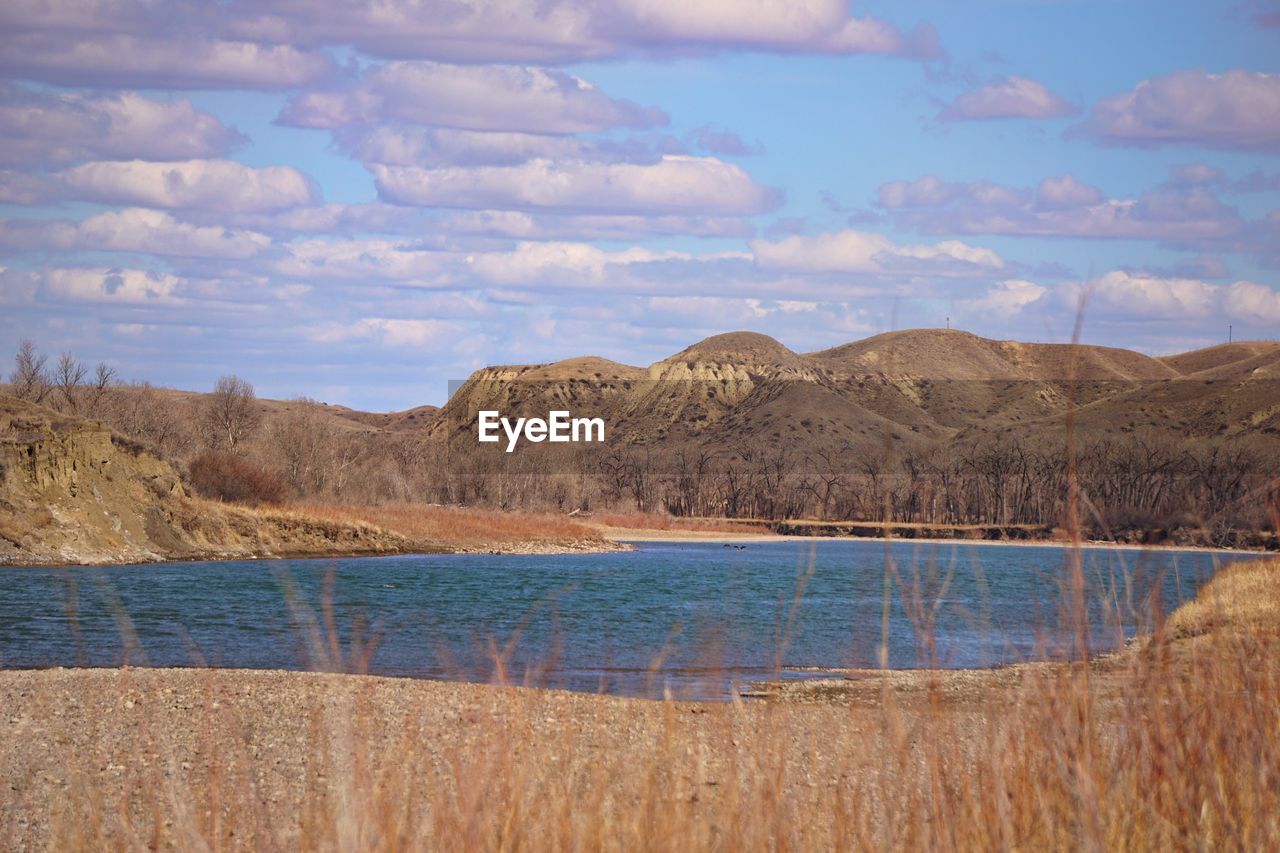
72 492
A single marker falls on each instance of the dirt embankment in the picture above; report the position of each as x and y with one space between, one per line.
71 491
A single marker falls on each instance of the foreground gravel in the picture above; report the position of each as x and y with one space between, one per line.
174 758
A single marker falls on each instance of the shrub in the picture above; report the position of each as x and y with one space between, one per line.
228 477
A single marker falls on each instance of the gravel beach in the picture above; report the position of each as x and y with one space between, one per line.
276 760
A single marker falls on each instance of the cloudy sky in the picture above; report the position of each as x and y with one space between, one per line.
361 204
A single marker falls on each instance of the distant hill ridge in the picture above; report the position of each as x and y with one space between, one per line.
917 388
930 354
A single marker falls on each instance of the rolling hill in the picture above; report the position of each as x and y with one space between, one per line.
746 393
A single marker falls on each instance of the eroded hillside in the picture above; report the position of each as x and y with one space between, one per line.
71 491
911 390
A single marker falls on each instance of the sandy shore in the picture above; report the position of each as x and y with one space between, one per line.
265 760
273 747
622 534
627 534
91 750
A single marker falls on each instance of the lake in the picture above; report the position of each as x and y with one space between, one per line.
691 619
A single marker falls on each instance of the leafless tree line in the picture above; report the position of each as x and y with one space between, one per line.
1126 481
227 428
169 422
66 385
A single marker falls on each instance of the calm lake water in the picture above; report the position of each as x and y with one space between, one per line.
689 618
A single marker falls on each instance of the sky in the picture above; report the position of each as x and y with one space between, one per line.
361 204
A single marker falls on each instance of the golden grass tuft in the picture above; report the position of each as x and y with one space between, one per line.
1242 596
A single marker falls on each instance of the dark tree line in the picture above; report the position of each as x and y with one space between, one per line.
1124 480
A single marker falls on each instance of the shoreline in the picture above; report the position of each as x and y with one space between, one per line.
757 690
655 536
622 540
505 549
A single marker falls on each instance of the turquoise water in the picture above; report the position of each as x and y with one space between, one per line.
692 619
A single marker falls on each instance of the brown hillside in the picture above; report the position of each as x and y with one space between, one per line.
1248 359
924 353
955 355
746 393
72 491
750 349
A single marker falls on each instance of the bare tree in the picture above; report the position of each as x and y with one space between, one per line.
29 379
104 379
231 413
825 477
160 420
68 376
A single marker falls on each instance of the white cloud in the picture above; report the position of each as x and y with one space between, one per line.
495 98
527 226
821 26
133 230
564 30
383 218
390 332
932 191
1065 192
212 185
727 310
398 145
1252 303
1061 207
421 146
1012 97
1143 296
365 259
128 286
1005 300
1235 110
79 58
565 263
673 185
46 128
23 188
864 252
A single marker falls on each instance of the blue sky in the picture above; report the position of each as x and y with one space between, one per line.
360 206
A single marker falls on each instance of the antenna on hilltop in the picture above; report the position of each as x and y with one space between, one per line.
948 322
1230 333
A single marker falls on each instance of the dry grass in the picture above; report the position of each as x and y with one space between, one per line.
458 527
14 525
1172 746
1242 596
